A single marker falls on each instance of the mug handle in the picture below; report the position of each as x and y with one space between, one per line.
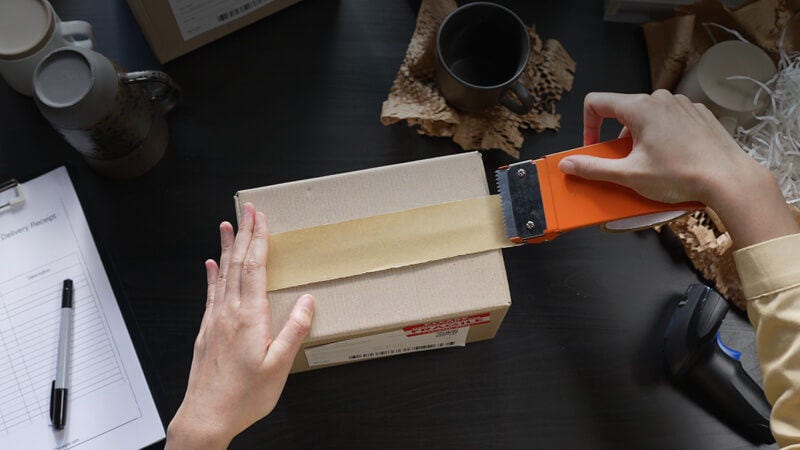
525 103
163 90
77 29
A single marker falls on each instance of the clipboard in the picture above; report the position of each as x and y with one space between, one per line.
11 195
43 220
13 198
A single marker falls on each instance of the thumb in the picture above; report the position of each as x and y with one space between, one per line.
594 168
284 348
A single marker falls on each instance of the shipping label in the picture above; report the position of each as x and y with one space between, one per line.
415 338
195 17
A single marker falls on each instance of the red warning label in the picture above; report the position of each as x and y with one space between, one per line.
447 324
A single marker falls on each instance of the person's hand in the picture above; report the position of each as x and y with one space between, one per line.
238 370
682 153
680 150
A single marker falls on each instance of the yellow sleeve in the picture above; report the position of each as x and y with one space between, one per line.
770 275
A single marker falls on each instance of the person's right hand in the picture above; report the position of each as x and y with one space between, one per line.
682 153
240 365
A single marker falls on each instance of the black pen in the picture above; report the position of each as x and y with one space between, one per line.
58 390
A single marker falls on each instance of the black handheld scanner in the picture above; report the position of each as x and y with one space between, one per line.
700 364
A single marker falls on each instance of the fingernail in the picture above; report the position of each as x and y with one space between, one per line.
307 303
567 166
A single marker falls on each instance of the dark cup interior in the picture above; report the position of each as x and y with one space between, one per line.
483 45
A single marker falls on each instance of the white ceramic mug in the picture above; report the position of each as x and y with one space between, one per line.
29 31
731 100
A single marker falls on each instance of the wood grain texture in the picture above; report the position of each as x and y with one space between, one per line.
298 95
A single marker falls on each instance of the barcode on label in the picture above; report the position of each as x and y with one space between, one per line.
397 351
382 345
240 10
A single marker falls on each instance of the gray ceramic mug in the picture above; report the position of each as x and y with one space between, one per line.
481 51
114 118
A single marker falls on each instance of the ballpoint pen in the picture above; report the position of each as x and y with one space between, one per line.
58 390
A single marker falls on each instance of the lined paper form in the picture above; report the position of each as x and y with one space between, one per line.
110 406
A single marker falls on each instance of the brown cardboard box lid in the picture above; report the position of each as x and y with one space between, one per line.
391 298
160 27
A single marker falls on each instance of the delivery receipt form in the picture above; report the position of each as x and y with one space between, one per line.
42 243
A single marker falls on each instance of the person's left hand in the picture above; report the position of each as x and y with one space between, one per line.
238 370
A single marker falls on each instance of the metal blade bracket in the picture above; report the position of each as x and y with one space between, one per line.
521 197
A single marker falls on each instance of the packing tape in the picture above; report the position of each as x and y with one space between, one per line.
401 239
387 241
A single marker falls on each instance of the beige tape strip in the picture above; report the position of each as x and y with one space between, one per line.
387 241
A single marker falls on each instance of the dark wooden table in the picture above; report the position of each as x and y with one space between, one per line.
298 95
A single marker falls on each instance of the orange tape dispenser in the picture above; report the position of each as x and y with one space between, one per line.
540 202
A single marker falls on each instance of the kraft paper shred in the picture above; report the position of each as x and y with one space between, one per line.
415 98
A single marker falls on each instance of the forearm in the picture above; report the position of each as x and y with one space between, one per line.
186 433
750 205
770 274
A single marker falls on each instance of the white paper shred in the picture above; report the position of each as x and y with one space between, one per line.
775 140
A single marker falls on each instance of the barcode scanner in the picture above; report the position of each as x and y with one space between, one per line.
708 371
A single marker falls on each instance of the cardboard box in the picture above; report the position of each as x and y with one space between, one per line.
176 27
427 306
